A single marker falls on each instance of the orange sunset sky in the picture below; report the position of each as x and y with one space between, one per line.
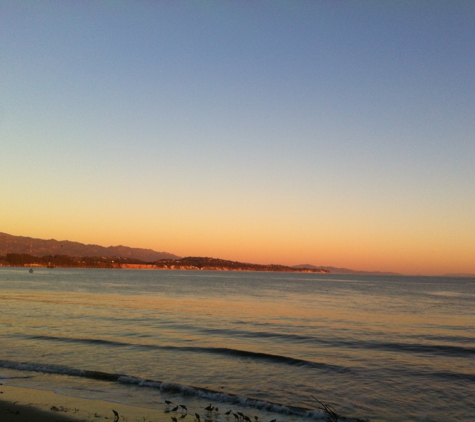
330 133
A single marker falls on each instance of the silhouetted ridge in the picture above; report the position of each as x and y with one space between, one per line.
24 251
206 263
10 244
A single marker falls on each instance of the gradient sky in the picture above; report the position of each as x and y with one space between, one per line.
334 133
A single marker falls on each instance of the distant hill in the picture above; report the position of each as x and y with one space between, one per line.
336 270
204 263
188 263
40 247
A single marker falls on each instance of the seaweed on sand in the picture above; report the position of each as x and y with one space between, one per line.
328 409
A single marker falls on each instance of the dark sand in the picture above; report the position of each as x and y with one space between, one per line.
30 405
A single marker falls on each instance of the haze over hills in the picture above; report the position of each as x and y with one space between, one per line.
10 244
336 270
42 247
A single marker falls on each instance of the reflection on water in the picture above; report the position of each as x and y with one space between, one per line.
386 348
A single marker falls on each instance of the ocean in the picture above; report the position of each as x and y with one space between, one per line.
268 345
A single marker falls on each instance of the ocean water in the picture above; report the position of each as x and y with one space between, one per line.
378 348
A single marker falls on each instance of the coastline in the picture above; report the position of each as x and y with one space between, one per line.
187 263
168 268
18 404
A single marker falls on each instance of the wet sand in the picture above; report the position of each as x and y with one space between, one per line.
30 405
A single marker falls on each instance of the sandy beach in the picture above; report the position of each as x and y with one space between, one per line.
30 405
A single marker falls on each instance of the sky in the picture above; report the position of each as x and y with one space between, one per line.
334 133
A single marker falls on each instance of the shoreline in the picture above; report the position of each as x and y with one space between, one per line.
20 404
204 394
155 268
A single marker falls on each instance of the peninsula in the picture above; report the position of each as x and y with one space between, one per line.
188 263
21 251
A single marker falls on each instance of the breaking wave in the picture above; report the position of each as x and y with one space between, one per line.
166 387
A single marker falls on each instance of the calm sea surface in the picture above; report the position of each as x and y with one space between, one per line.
381 348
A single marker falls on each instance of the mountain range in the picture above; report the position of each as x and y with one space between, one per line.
41 247
10 244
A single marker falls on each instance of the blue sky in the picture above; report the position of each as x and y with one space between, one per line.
336 133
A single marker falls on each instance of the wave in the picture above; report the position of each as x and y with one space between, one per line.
213 350
438 349
165 387
405 347
435 349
